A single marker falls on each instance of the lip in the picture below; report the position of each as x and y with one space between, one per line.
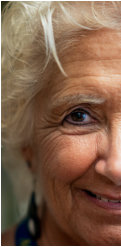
115 207
110 196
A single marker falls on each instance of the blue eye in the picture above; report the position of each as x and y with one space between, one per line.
79 117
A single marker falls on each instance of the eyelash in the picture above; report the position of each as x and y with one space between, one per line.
83 113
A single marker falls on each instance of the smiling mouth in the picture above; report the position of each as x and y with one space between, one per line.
99 197
103 201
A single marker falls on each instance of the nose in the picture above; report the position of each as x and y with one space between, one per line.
110 166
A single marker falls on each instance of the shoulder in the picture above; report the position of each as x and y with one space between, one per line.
8 237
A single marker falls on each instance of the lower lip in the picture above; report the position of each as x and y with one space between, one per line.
101 203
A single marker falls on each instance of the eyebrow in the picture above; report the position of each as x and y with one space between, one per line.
79 98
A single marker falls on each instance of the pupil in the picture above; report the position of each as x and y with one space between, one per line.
78 116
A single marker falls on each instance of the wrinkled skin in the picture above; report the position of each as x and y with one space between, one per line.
66 156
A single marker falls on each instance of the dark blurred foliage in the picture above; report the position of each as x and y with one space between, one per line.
3 3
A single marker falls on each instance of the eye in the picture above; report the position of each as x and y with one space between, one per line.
79 117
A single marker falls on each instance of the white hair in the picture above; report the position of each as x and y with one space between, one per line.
34 35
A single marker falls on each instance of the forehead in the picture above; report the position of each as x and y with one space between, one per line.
102 47
98 44
92 64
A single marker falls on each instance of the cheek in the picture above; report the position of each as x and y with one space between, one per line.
66 158
73 160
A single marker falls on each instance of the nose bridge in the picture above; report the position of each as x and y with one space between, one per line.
115 143
113 161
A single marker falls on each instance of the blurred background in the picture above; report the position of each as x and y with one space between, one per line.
16 185
16 188
9 208
3 3
8 202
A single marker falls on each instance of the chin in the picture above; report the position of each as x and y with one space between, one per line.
96 233
101 239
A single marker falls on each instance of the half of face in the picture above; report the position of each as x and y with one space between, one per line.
77 141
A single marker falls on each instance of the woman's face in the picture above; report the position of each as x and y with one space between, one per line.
77 143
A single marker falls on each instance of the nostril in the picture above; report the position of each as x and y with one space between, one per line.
109 169
100 167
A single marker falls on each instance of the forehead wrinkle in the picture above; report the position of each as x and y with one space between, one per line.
95 46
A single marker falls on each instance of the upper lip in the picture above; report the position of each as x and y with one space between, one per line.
108 195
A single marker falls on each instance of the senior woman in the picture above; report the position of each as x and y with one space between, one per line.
62 113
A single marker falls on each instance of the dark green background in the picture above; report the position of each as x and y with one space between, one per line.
3 3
